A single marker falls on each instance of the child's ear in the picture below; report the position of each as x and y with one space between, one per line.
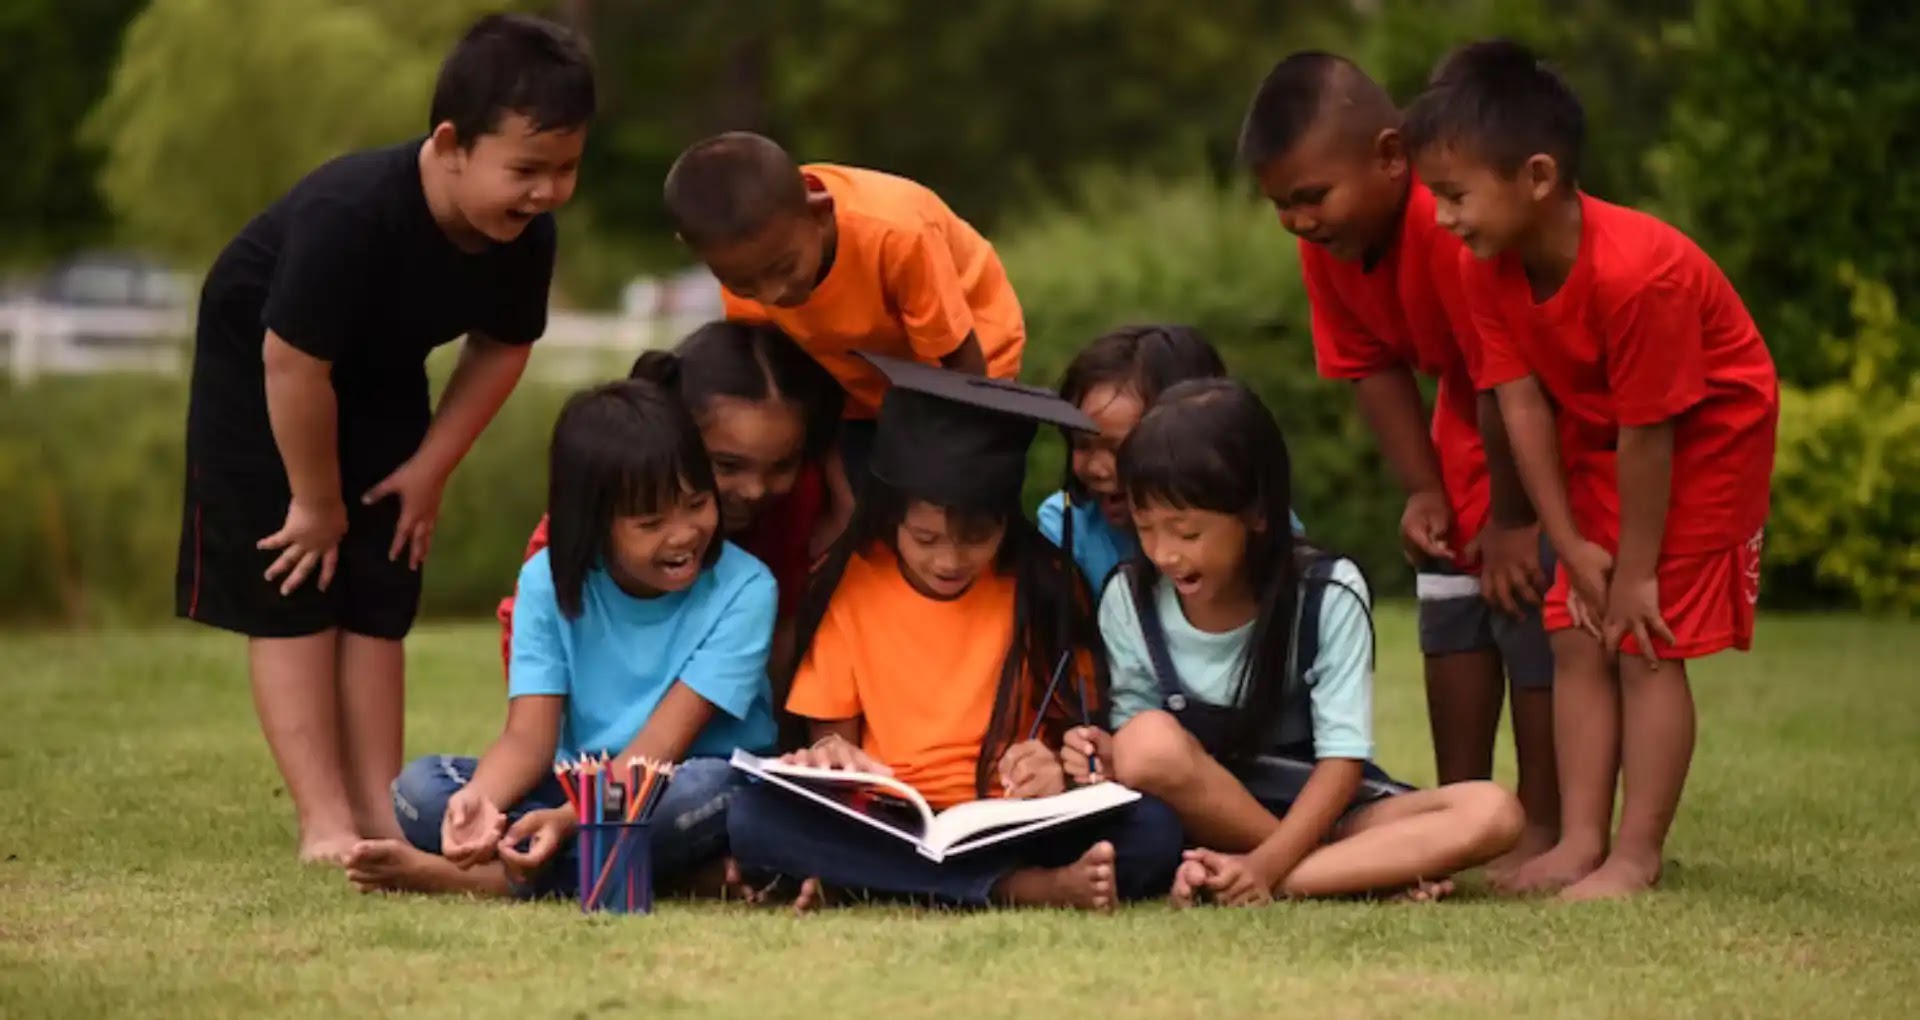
1542 174
1390 150
445 140
820 206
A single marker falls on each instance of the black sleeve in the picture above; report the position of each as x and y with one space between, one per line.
316 299
518 313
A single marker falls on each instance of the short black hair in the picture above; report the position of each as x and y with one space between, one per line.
1497 99
621 449
1297 92
727 188
514 63
753 362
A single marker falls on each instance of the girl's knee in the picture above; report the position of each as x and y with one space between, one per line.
1493 815
1153 752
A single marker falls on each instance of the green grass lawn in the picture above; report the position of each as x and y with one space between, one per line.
146 868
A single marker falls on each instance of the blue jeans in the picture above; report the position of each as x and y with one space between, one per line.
773 831
689 825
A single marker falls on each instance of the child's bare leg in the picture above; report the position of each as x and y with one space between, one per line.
1539 778
1086 884
1586 731
1464 693
295 694
1156 755
395 865
372 724
1656 750
1416 837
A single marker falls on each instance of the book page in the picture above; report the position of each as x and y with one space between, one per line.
962 822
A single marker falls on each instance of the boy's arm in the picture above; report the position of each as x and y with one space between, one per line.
304 416
1536 453
485 376
1510 573
1391 404
1646 482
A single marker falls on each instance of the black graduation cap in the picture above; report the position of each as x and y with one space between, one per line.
960 440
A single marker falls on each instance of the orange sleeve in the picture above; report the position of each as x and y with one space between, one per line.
1656 354
924 284
823 686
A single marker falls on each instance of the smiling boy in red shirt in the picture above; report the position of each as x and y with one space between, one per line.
1641 404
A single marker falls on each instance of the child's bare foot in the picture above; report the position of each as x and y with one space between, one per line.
1534 841
1189 884
391 865
330 848
1424 891
1552 871
1086 884
1617 878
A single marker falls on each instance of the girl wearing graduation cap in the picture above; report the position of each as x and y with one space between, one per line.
930 641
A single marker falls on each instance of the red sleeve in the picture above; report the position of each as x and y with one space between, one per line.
1656 353
1342 347
923 283
535 542
1446 269
1493 354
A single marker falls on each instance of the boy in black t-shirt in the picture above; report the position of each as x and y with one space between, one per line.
315 461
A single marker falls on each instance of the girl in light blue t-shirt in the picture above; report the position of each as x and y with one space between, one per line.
1242 672
639 631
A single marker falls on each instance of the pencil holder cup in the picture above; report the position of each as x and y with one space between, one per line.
616 868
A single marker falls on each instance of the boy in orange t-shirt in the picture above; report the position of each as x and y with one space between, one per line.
845 261
1649 467
950 644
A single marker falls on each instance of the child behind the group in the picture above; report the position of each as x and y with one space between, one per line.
767 415
1217 672
638 631
1323 141
1114 380
846 261
928 649
315 459
1641 404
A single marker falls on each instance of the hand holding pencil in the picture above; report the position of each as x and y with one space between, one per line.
1085 754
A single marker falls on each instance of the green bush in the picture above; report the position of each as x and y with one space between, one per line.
91 471
1846 487
1135 249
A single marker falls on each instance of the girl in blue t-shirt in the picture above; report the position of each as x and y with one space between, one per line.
1114 380
638 631
1242 671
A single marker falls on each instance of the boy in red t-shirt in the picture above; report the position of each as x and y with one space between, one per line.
1613 333
1323 140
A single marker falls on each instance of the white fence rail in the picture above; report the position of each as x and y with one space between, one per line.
38 338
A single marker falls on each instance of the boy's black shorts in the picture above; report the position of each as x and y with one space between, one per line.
221 578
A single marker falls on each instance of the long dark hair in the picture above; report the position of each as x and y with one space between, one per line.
748 361
1211 444
621 449
1048 589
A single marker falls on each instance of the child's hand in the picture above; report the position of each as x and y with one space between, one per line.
1424 527
471 830
1588 568
309 538
1079 747
543 831
419 488
1222 878
1633 607
834 752
1029 769
1510 575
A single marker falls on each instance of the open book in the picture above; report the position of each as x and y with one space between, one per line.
897 809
